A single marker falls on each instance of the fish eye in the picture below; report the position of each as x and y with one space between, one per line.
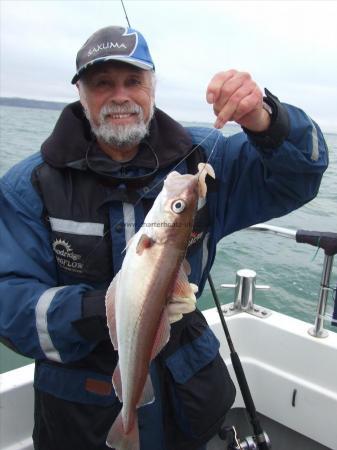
178 206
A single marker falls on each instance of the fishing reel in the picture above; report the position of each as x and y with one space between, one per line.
229 435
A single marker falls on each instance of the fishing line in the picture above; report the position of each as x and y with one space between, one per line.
180 162
318 247
210 155
125 219
216 142
126 15
173 168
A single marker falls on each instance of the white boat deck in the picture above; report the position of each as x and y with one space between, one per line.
279 356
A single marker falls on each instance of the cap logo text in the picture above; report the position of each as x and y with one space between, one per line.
106 46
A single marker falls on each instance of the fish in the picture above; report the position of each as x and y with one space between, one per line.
154 270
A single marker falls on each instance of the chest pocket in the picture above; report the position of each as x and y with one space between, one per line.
82 249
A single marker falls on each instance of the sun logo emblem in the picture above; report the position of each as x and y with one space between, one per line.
63 244
64 252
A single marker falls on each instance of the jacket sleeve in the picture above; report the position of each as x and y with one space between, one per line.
36 314
258 180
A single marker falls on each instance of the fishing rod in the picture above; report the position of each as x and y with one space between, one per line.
260 439
126 15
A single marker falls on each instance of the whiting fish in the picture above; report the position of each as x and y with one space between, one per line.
153 272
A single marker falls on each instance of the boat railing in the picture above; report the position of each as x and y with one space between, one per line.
324 240
244 295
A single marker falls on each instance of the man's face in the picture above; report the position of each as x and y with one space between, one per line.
118 100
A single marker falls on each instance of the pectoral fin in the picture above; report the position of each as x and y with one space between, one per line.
144 242
187 267
183 298
182 287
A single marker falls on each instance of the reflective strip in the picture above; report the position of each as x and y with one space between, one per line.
41 311
315 152
129 221
204 253
81 228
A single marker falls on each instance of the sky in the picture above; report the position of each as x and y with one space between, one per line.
290 47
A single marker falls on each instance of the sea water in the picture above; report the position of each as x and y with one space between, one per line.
292 270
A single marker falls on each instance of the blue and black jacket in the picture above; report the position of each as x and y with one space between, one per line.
68 211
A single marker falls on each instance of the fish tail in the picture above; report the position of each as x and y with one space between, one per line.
119 440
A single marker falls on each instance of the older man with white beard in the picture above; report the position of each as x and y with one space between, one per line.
68 212
118 101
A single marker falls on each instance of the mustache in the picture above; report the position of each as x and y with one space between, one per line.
115 108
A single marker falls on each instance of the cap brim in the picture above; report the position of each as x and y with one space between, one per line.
126 59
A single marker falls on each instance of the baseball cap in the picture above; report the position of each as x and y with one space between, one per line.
113 43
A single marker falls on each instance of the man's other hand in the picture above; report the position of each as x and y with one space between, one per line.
236 97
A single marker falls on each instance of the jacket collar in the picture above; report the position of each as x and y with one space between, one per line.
71 141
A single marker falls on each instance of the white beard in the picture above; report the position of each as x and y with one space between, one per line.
120 136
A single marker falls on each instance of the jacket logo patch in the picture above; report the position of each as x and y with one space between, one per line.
195 237
65 256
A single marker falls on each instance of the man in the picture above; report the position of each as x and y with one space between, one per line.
68 211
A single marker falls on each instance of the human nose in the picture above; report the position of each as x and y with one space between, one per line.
119 94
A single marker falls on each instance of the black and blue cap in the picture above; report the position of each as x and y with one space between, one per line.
113 43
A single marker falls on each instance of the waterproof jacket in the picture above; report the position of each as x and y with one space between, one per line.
68 211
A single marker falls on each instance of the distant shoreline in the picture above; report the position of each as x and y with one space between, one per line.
20 102
28 103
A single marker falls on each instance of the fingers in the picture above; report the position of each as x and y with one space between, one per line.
178 306
241 104
216 83
181 305
175 318
235 95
